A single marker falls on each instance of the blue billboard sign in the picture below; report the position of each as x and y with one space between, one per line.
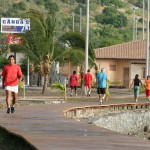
15 25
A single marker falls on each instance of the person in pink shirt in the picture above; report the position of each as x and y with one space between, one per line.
12 74
73 83
88 82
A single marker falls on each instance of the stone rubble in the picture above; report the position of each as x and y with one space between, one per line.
132 123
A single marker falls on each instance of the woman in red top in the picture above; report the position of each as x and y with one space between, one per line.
88 82
73 83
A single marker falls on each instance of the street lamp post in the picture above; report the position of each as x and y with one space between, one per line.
87 40
147 46
134 21
133 24
73 21
87 37
143 19
80 20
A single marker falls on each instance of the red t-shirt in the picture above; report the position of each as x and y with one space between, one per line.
88 79
11 73
73 80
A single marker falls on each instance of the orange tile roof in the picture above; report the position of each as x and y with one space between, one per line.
130 50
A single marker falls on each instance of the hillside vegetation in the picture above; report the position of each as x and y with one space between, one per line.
111 21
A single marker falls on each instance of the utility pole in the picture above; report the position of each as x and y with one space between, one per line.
133 24
147 47
73 21
80 19
87 41
134 21
87 37
143 19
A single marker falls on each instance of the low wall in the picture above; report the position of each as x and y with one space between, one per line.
129 118
87 111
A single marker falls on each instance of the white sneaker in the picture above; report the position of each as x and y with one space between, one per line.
75 94
100 102
89 94
71 94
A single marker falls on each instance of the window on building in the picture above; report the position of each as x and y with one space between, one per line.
112 68
143 73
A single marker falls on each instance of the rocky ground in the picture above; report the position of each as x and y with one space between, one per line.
132 123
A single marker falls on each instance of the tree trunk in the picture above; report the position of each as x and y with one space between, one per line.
46 68
31 73
68 72
31 80
45 83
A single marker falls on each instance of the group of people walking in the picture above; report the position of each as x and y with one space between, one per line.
101 83
101 79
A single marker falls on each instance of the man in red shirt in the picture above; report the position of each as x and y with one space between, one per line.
11 76
73 83
88 82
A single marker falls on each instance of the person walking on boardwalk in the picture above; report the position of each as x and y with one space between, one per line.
12 75
136 82
73 83
88 82
101 80
147 87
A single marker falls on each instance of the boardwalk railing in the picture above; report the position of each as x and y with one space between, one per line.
86 111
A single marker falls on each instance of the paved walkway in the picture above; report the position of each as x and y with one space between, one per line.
45 127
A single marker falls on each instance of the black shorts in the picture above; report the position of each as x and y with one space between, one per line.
74 87
101 90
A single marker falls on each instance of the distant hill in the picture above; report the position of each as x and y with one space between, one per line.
106 29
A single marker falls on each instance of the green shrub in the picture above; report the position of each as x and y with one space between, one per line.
59 86
21 87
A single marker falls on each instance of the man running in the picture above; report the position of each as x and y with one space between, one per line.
12 75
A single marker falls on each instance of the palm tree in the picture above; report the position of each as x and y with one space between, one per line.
75 43
39 43
42 48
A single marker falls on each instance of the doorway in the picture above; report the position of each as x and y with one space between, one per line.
126 77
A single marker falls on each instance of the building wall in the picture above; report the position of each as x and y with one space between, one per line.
115 70
112 74
135 67
120 71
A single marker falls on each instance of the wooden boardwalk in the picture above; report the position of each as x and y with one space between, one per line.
45 127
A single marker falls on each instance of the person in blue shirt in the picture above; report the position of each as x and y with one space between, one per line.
101 79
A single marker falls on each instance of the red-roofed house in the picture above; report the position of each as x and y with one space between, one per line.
123 61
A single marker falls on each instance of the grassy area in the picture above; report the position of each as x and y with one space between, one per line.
10 141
